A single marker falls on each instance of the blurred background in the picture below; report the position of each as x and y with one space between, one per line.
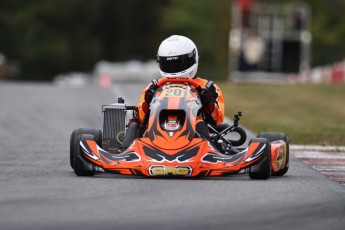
41 39
294 49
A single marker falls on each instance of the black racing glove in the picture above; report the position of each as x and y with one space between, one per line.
206 101
150 92
149 95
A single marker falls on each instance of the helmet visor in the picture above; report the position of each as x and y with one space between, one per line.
175 64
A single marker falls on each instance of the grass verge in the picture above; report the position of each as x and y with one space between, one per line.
308 114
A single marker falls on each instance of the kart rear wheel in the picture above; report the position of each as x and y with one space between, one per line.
275 136
262 171
78 163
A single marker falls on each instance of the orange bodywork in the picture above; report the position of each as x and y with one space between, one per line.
196 159
217 114
278 155
171 146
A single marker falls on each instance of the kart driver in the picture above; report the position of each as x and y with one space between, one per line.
178 57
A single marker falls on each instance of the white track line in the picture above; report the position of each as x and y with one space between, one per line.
317 148
328 160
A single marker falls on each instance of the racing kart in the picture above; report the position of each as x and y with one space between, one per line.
170 144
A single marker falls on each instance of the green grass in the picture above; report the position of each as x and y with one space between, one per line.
308 114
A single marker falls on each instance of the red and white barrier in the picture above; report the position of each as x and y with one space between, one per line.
331 74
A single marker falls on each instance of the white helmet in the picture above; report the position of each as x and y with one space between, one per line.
178 57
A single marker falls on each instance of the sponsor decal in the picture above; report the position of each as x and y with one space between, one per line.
178 78
172 58
161 170
215 158
127 156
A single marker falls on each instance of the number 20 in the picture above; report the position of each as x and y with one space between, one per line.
175 93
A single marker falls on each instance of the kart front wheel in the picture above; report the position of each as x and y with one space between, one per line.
275 136
262 170
78 163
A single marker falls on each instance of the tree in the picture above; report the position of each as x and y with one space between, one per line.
48 37
207 23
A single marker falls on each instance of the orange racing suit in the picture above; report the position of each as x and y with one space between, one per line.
218 113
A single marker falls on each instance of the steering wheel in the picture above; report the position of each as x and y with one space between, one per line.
190 81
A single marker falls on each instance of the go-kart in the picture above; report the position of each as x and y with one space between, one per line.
170 145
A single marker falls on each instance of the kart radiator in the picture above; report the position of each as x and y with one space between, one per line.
114 126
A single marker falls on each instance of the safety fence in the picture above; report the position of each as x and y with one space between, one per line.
329 74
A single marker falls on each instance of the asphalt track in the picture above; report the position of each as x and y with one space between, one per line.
38 189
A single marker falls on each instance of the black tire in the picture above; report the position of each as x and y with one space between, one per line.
76 133
78 163
262 170
275 136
